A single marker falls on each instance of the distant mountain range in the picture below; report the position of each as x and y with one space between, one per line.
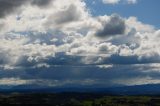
150 89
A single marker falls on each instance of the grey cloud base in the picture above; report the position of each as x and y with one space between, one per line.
87 76
9 6
116 25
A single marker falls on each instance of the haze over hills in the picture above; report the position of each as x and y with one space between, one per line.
149 89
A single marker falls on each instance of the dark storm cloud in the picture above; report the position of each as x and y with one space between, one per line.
10 6
115 26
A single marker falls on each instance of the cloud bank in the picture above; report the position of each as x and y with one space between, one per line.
63 35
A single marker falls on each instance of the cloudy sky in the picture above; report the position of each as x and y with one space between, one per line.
79 43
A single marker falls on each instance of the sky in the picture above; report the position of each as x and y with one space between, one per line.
79 43
145 10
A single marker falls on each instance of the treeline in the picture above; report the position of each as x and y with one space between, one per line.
78 99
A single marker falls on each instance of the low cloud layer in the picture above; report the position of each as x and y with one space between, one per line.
84 76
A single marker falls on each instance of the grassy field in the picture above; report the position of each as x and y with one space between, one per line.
78 99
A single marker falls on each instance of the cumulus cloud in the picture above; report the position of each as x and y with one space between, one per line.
36 48
69 15
114 26
65 36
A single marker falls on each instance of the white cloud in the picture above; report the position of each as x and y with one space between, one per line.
13 81
65 33
137 81
132 1
38 46
132 22
119 1
111 1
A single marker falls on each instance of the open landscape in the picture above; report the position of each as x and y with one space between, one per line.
78 99
138 95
